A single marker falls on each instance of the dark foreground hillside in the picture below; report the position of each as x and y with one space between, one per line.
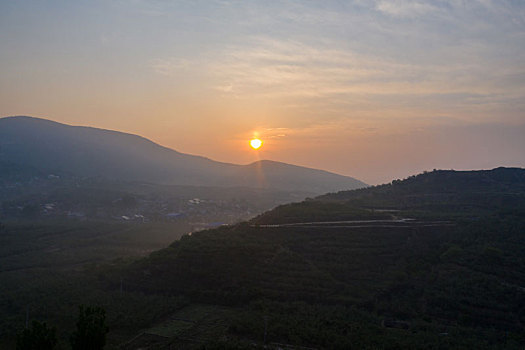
436 261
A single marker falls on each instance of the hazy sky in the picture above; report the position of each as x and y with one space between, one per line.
377 90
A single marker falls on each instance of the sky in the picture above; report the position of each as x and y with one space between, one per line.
377 90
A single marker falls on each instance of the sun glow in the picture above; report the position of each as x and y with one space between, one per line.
255 143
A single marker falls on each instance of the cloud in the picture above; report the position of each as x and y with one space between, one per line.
465 61
225 88
281 68
405 8
285 68
169 67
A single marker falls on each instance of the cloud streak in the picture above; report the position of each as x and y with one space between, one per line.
450 64
405 8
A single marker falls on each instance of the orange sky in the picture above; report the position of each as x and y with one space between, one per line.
372 89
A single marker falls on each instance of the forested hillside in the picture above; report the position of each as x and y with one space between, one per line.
436 260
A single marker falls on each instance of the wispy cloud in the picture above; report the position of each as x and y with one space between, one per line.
343 82
169 66
444 57
281 68
405 8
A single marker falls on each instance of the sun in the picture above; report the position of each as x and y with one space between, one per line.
256 143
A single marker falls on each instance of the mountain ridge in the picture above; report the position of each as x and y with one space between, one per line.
421 195
89 151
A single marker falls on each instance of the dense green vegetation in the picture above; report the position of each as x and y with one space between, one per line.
48 269
91 329
445 194
463 280
428 283
38 337
348 270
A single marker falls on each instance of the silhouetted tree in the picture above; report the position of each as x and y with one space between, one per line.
91 329
38 337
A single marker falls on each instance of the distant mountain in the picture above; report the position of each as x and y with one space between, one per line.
89 152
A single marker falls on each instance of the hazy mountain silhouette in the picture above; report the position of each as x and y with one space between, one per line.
84 151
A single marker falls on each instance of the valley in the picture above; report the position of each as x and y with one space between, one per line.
274 175
374 283
431 261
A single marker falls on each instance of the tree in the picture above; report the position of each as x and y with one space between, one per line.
91 329
38 337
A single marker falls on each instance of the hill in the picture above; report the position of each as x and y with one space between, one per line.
433 261
437 194
62 149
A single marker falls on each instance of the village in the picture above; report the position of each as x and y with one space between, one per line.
53 197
